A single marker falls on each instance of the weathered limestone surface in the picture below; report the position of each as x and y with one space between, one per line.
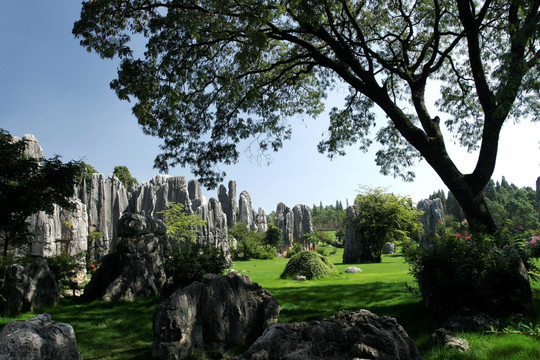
228 202
29 287
353 242
346 336
213 314
135 269
38 338
294 224
433 215
284 221
106 202
102 201
62 231
260 220
245 209
214 232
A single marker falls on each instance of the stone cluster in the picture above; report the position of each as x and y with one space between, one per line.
100 203
294 223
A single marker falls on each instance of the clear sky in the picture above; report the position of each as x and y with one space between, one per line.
53 88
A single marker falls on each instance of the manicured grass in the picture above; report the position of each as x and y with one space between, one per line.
124 330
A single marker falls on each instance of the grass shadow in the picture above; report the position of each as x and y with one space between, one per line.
128 325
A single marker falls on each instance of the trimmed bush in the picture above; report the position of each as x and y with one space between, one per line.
309 264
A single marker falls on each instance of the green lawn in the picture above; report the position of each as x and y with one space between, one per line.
124 330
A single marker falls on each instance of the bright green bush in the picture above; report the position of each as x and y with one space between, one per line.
309 264
249 244
191 262
478 273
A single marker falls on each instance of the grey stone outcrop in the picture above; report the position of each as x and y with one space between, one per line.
228 202
214 231
245 209
107 201
135 269
38 338
433 215
192 319
260 220
102 201
63 231
352 245
293 224
389 248
28 288
449 340
346 336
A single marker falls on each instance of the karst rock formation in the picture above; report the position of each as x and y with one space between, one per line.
101 202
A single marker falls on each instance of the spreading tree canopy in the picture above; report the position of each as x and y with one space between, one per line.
215 72
29 185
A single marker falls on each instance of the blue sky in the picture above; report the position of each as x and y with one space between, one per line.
53 88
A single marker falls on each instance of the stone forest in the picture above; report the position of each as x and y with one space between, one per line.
118 237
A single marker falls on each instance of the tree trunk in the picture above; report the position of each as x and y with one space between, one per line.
475 209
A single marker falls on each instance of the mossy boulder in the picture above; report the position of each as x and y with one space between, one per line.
309 264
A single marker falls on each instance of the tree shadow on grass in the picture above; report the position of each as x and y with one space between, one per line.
305 303
127 325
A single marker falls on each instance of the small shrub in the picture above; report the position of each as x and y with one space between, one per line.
64 268
325 250
297 248
309 264
191 262
479 273
249 244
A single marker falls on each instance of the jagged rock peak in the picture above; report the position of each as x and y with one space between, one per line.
32 148
245 208
293 224
433 214
228 202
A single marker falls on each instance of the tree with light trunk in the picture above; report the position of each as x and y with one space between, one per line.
216 72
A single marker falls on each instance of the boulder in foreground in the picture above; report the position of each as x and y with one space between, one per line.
346 336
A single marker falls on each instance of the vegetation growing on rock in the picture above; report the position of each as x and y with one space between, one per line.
309 264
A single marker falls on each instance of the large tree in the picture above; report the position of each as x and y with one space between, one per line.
29 185
219 71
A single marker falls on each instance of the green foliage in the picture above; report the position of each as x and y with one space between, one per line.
476 273
181 227
86 174
29 185
325 250
92 238
296 248
123 174
382 217
191 262
328 217
250 244
64 268
521 328
309 264
273 236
